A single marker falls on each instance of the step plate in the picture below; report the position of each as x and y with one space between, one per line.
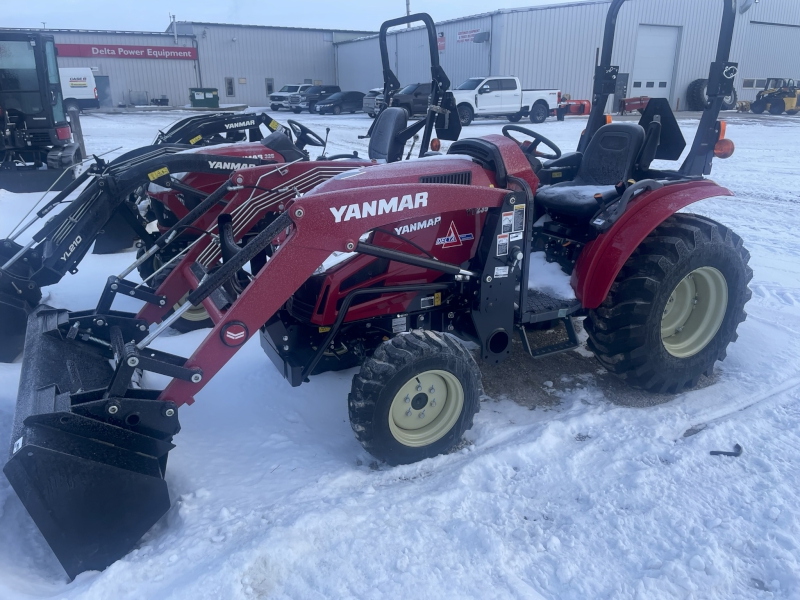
541 307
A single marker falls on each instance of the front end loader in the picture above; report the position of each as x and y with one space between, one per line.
387 267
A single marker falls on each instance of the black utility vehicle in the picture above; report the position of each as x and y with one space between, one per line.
413 98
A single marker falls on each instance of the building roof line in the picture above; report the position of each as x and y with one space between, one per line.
500 11
98 31
210 24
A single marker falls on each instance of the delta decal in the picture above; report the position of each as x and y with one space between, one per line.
453 239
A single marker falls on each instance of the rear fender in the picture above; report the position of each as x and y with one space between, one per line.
603 258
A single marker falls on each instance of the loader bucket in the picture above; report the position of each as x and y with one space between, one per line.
90 476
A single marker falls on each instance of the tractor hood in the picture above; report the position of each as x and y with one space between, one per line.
453 169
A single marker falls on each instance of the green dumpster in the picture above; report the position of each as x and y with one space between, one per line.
204 97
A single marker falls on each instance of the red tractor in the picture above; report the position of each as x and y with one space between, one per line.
430 252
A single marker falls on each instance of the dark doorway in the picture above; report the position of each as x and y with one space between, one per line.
103 84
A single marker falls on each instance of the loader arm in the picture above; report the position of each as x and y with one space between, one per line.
315 234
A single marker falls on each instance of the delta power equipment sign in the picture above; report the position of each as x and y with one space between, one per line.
118 51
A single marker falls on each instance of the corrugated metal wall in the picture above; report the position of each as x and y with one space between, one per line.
556 47
257 53
171 78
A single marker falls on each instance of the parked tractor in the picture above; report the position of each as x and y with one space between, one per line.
430 252
36 147
777 97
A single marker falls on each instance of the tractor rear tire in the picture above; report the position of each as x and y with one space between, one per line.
393 402
465 114
689 276
777 106
195 318
696 97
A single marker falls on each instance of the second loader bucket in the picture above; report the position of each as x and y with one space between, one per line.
89 468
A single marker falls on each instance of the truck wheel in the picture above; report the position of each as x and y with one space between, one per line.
415 397
465 114
674 307
312 108
758 107
514 118
194 318
793 112
337 110
71 105
777 106
297 111
274 107
539 112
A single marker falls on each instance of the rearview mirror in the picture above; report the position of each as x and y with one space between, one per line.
485 89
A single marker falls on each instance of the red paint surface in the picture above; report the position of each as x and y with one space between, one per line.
601 259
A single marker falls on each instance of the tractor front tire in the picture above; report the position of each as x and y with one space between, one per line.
194 318
758 107
415 397
674 307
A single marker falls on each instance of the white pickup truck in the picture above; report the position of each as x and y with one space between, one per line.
504 97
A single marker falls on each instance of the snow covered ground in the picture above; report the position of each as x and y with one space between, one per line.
566 490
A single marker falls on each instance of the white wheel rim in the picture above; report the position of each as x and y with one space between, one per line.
426 408
694 312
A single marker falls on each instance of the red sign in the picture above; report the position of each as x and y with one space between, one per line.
117 51
440 41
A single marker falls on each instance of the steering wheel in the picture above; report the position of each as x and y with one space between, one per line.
537 139
305 137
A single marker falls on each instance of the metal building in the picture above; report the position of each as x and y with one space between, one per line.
661 47
242 61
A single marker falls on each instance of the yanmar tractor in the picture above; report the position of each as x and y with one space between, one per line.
437 250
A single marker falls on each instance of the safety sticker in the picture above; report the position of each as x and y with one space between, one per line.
500 272
17 446
519 218
159 173
274 125
324 329
502 244
508 222
195 139
437 299
399 325
515 237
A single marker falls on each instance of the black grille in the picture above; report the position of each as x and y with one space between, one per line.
464 178
40 138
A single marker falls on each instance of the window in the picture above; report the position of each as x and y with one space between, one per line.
508 85
651 84
761 84
494 85
749 84
470 84
307 81
271 86
230 91
637 84
662 84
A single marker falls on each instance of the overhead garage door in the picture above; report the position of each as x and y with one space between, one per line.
654 65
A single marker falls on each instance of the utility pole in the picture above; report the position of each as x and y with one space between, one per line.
408 12
44 24
174 28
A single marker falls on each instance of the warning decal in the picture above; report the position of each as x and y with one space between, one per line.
502 244
519 218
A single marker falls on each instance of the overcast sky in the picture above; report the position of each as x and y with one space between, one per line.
153 15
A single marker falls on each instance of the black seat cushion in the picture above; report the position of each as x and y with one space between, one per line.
383 143
280 143
608 160
576 201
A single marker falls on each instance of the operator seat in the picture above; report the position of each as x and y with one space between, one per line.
609 159
383 143
280 143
